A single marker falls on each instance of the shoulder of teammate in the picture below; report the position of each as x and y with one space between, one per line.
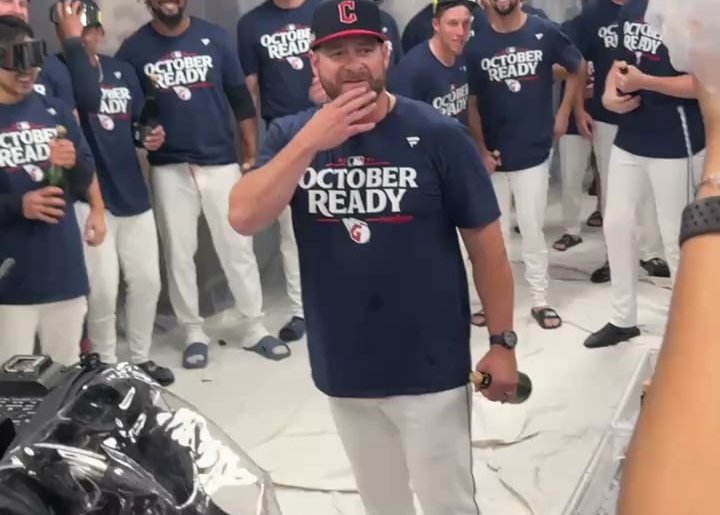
129 47
280 132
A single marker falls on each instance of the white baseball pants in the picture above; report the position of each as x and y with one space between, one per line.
58 324
130 246
529 188
419 443
650 241
631 179
575 154
181 193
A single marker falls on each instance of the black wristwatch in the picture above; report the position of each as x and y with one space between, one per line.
507 339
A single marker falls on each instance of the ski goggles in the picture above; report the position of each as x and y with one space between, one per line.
23 56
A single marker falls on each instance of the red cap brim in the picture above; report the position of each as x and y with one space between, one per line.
348 33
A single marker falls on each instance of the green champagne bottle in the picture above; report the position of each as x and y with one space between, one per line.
524 387
56 174
150 112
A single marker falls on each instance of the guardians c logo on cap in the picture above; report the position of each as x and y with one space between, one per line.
334 19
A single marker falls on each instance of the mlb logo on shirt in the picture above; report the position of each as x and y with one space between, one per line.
23 126
356 161
176 54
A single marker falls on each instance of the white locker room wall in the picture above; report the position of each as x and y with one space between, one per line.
122 17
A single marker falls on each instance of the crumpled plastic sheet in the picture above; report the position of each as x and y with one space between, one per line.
123 445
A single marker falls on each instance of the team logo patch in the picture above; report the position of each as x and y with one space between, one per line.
296 63
358 230
106 122
35 172
183 93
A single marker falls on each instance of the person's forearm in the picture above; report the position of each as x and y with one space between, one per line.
10 207
675 449
85 76
493 279
260 196
559 72
475 126
82 183
579 104
249 137
681 86
610 88
573 85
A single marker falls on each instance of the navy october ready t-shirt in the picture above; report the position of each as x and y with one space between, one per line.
512 77
110 135
49 262
655 128
421 76
384 285
273 42
194 69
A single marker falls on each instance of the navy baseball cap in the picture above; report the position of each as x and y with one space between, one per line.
335 19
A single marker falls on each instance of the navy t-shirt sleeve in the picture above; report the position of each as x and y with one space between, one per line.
579 33
136 92
57 76
474 74
279 134
467 190
74 134
402 81
249 58
563 51
85 78
232 70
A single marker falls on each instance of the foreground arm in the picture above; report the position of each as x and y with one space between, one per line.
492 275
681 86
259 196
673 462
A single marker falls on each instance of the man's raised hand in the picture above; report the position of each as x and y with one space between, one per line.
341 119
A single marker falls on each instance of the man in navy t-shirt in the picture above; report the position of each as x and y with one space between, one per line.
56 80
660 140
44 292
434 72
197 73
273 45
379 186
131 244
510 73
420 28
595 32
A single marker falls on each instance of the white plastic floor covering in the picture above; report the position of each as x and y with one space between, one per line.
528 457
